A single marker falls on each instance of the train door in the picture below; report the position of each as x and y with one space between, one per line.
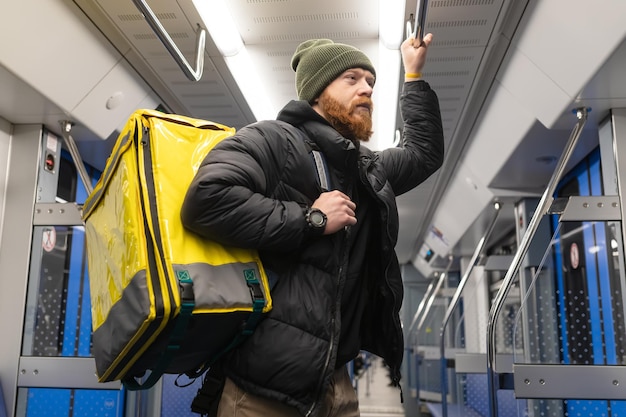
46 368
589 313
54 372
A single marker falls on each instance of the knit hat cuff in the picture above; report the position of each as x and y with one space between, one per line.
318 62
335 66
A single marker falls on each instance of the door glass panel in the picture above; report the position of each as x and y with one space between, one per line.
59 314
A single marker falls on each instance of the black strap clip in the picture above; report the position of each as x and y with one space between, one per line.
208 396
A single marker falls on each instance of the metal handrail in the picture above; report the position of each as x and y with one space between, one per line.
66 128
420 21
453 304
429 305
191 73
542 207
420 307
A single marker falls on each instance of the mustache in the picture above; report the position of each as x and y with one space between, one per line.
363 101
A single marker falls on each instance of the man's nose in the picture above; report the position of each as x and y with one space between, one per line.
365 89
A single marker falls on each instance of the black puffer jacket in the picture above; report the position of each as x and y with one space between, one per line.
252 190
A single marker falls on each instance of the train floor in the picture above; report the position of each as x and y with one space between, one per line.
376 397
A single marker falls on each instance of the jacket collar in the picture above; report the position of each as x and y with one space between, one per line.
335 147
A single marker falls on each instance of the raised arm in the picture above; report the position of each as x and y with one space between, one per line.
422 148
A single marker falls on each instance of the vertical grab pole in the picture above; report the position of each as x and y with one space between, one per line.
420 18
542 207
66 127
409 333
417 31
435 289
442 278
453 304
420 307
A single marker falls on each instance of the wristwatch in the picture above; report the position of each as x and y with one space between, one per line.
316 219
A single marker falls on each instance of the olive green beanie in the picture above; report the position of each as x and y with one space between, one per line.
317 62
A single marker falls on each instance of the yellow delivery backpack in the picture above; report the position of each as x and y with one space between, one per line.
163 299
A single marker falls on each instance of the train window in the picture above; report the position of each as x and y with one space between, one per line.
61 322
68 179
506 336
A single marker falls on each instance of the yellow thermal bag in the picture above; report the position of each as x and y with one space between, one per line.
163 298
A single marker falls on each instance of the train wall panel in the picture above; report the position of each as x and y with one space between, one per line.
54 48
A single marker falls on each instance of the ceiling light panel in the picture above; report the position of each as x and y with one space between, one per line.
450 72
298 20
462 23
462 30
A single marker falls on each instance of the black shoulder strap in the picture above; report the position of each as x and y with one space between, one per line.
319 163
322 172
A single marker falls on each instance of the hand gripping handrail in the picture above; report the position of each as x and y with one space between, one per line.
420 21
453 304
191 73
542 207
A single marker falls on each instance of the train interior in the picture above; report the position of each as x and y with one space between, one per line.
512 253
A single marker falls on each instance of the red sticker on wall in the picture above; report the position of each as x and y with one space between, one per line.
49 239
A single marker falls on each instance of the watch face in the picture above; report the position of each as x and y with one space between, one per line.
317 219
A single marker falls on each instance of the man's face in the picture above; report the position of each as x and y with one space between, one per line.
347 105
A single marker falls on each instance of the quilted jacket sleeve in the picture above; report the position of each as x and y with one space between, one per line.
422 149
227 202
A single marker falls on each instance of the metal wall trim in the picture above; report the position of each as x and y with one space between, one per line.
57 214
45 372
587 208
476 363
592 382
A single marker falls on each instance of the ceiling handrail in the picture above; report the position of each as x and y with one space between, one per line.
417 32
191 73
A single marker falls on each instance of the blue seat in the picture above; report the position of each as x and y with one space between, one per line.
454 410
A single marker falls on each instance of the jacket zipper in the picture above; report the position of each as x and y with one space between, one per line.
363 173
333 321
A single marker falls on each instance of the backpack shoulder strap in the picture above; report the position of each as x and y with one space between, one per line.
322 170
318 159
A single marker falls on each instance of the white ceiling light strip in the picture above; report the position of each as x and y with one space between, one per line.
223 31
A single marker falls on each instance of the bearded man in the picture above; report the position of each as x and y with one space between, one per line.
329 253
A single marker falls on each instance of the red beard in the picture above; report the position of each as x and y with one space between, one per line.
350 125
